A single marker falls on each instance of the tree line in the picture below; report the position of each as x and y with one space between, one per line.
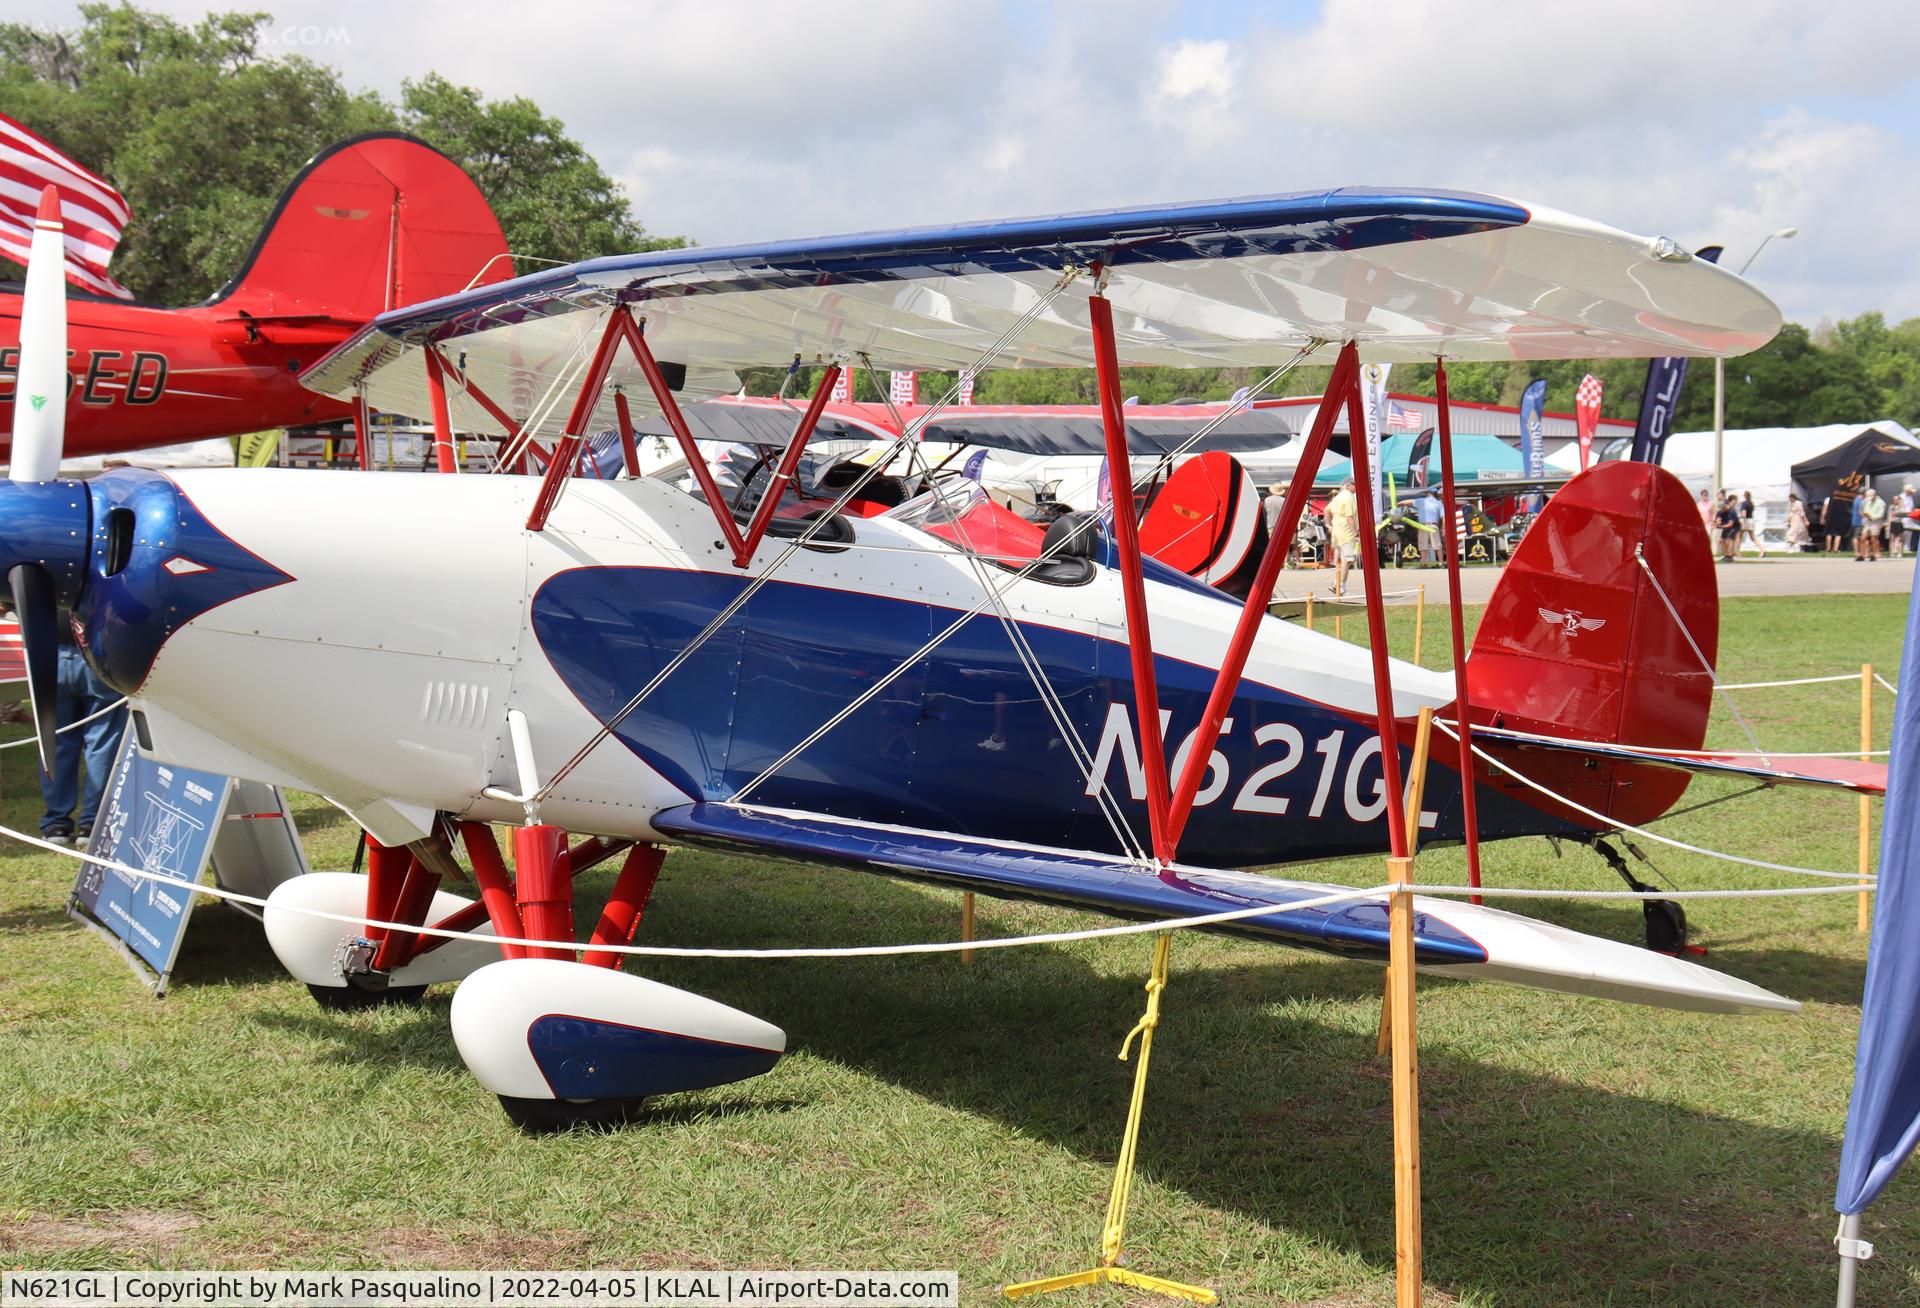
1860 370
202 131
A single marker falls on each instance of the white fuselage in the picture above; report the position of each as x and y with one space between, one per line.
381 676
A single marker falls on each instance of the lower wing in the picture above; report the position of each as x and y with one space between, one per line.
1451 939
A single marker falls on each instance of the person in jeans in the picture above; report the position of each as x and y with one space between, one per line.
83 755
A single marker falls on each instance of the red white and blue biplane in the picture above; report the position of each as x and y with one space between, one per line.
642 664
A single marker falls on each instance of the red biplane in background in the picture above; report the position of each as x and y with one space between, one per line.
370 224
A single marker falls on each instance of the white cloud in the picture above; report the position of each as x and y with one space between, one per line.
1519 68
1192 92
731 121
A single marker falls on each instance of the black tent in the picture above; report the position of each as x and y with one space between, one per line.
1872 454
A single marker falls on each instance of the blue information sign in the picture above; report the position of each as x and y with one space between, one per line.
162 818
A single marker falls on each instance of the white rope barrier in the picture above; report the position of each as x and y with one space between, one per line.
1796 681
1852 878
1515 892
97 713
1888 686
1362 598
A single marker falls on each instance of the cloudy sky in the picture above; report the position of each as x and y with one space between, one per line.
729 120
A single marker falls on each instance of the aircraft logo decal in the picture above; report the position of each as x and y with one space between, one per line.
1571 621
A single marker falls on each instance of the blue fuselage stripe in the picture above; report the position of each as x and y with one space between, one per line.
961 741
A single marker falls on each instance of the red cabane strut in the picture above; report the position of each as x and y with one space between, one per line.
621 327
1169 806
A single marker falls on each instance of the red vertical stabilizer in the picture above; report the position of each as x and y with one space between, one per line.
1579 640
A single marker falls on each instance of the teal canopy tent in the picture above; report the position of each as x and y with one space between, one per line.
1475 458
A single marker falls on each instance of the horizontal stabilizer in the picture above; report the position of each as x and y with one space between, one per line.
1861 776
1454 939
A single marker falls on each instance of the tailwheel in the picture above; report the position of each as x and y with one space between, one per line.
351 998
550 1116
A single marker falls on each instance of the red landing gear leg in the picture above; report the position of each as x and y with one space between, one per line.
544 882
397 948
398 890
386 870
625 904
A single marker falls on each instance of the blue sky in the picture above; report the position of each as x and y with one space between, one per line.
1704 120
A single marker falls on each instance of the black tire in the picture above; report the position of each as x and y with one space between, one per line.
351 998
547 1116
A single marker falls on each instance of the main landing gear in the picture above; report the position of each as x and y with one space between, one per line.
561 1036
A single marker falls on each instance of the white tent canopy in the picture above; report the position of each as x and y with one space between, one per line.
1756 459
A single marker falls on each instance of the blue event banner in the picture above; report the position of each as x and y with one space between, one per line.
1533 446
162 818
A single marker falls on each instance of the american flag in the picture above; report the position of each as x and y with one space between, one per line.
903 387
94 213
1398 415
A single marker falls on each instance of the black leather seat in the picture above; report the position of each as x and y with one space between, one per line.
1069 547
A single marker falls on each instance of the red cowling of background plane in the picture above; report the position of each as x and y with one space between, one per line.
369 224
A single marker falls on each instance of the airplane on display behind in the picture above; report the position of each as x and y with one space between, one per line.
369 224
638 663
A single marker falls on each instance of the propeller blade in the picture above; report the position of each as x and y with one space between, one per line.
40 636
40 390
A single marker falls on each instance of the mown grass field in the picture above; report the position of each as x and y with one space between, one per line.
935 1115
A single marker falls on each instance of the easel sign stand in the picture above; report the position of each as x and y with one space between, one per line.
172 821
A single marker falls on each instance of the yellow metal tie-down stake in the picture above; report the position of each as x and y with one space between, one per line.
1113 1235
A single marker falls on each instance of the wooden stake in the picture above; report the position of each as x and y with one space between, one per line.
1309 610
1416 793
1337 634
1419 620
966 924
1866 807
1406 1096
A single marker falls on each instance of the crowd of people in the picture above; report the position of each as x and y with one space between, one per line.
1864 521
1339 523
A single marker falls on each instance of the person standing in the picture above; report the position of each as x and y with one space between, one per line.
1748 529
1708 509
1798 532
1832 515
1432 516
1899 509
1270 507
1859 532
1873 521
1727 520
1343 533
82 755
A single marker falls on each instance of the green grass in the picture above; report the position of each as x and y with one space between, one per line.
940 1115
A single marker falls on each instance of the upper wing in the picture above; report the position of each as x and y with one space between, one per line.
1241 283
1457 939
